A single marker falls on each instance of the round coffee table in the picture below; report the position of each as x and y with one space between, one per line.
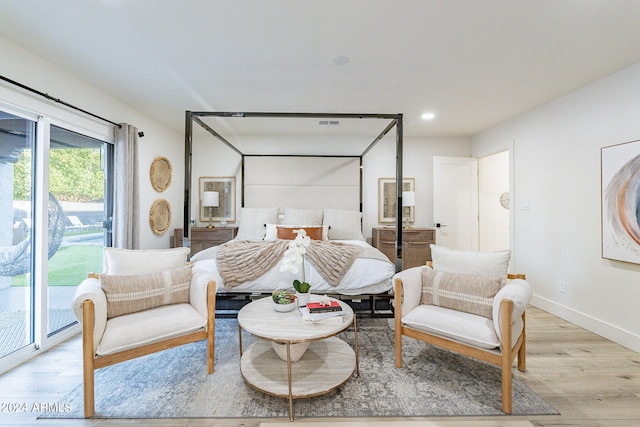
327 363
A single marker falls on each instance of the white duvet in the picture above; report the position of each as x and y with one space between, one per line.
366 276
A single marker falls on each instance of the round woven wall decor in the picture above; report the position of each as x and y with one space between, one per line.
160 216
160 174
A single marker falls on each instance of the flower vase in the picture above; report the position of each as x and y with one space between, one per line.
303 298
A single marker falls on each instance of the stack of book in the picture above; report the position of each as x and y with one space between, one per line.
317 307
315 311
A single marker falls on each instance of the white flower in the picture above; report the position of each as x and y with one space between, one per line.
294 255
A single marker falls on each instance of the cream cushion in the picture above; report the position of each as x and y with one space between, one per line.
302 216
131 293
156 324
463 292
468 328
343 224
486 264
253 222
143 261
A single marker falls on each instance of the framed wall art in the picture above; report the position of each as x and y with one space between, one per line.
217 199
387 199
620 166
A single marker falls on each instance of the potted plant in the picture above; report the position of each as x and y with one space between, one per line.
283 300
293 257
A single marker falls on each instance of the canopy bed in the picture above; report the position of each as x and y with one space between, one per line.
299 188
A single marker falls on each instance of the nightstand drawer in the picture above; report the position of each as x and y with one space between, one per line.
415 244
203 238
413 235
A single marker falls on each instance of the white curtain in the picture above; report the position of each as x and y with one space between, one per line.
126 207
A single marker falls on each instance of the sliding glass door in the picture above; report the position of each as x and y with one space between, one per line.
17 145
76 216
53 204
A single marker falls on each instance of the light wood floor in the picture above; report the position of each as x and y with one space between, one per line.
589 380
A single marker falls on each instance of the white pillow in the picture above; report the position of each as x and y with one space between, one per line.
485 264
143 261
343 224
272 230
302 216
253 222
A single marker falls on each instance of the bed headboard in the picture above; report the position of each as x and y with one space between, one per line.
306 182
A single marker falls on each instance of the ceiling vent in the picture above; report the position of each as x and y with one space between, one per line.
329 122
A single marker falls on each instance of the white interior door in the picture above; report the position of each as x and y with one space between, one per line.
493 202
455 202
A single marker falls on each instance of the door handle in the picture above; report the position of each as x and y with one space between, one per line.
438 225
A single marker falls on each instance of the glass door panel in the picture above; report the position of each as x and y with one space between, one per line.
76 215
17 143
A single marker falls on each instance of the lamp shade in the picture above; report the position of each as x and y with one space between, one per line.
210 199
408 198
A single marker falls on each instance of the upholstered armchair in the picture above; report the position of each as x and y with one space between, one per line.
467 303
145 301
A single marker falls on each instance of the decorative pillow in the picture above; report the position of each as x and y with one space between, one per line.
139 261
462 292
253 222
272 231
486 264
302 216
343 224
129 294
289 233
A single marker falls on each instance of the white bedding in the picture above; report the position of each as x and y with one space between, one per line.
366 276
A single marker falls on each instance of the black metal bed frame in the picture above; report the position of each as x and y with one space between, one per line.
192 117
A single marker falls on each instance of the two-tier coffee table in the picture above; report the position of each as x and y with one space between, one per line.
327 363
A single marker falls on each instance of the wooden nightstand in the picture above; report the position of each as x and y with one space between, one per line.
415 244
203 238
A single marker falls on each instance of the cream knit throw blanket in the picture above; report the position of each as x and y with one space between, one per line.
242 260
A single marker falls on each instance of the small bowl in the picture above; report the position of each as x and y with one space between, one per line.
282 308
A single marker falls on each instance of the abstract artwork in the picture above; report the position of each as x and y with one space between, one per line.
621 202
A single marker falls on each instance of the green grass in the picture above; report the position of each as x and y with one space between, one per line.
69 266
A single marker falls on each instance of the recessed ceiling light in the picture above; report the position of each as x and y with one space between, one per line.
428 116
341 60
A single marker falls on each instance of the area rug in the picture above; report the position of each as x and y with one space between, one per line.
174 384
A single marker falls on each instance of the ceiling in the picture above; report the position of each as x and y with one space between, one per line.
472 63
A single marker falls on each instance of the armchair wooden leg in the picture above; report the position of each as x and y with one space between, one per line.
88 363
211 325
397 317
522 351
506 387
398 348
506 307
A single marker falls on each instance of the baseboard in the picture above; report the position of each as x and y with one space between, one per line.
590 323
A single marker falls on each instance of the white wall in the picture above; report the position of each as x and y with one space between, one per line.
28 69
556 169
212 158
417 163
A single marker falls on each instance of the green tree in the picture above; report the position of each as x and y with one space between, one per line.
75 175
22 176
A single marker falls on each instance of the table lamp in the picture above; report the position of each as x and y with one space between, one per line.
408 201
210 200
